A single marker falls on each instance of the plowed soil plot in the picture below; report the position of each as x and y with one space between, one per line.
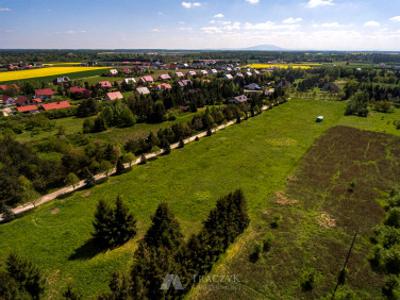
336 188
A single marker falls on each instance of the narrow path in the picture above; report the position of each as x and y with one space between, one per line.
70 189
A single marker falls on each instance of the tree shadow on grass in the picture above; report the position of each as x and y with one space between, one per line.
88 250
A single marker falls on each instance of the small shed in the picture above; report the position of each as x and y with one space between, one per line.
319 119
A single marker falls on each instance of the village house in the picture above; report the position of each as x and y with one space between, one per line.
37 100
249 74
252 87
239 99
269 92
105 84
228 76
147 79
7 100
44 93
213 72
62 80
130 80
180 74
191 73
56 105
78 90
164 86
204 72
113 72
164 77
184 83
143 90
21 100
28 109
240 75
113 96
257 72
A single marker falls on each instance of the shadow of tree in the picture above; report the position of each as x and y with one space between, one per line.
88 250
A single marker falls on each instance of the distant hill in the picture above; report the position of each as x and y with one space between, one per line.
264 47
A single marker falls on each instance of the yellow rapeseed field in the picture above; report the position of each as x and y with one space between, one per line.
284 66
43 72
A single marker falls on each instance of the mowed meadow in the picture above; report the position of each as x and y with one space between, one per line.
44 72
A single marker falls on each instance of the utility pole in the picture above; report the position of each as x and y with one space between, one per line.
345 263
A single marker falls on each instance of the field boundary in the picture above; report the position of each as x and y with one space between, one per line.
104 175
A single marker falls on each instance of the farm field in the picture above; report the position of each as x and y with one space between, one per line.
320 216
190 180
44 72
305 66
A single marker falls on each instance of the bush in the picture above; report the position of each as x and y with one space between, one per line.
391 288
393 218
256 253
308 280
383 106
267 243
276 220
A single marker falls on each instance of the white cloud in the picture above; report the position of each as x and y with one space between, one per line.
395 19
219 16
292 20
328 25
269 26
317 3
155 30
372 24
253 2
189 5
4 9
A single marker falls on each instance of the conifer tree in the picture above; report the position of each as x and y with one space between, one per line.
113 226
71 294
120 168
102 219
26 275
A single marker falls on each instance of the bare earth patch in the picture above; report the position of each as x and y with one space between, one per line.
282 199
326 221
55 211
86 194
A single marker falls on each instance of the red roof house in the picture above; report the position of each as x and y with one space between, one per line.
114 96
27 108
105 84
3 87
164 86
77 90
56 105
44 93
21 100
147 78
37 100
165 77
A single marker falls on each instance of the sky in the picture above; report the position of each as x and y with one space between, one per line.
200 24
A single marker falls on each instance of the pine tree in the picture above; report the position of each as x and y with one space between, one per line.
26 275
102 220
119 287
124 223
157 256
120 168
181 143
71 294
89 178
113 226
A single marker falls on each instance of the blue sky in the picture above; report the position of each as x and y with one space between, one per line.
199 24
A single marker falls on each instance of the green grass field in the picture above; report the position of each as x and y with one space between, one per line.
257 156
320 216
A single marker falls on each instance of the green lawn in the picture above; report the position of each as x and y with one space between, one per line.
257 156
